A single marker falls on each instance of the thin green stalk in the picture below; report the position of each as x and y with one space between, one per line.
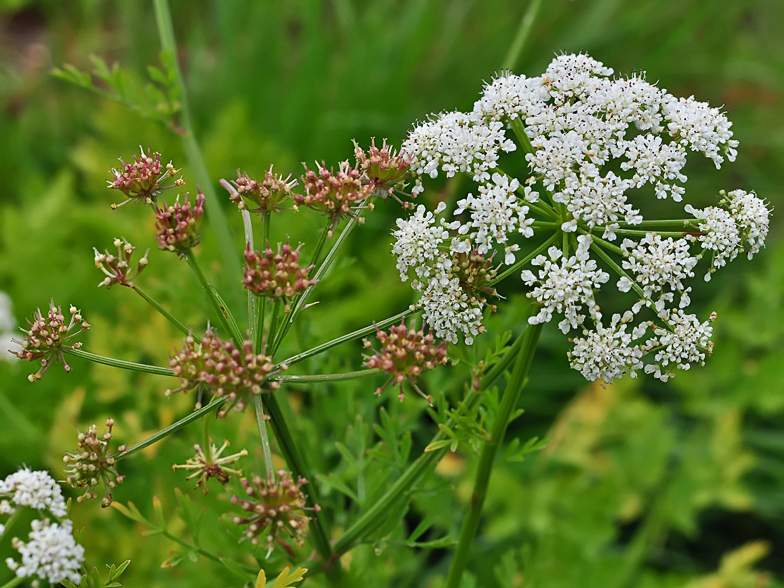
300 469
173 428
13 582
348 337
261 422
659 223
378 512
514 268
169 316
273 326
205 440
310 379
191 147
640 233
253 305
300 305
11 521
320 244
487 458
258 340
519 130
617 268
516 49
220 307
119 363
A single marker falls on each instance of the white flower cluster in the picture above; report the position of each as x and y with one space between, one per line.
51 553
37 490
588 140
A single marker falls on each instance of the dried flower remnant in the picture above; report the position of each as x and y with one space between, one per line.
384 168
176 226
276 507
261 197
405 353
35 489
334 193
118 268
213 465
92 464
223 369
48 336
142 179
276 275
51 553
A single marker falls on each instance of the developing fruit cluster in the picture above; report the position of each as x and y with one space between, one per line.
92 464
225 370
141 180
176 226
276 275
48 336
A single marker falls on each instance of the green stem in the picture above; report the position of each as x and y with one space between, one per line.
13 582
174 427
379 511
11 521
169 316
220 307
191 147
519 131
521 37
331 256
320 244
659 223
617 268
487 457
348 337
636 233
309 379
119 363
300 469
205 440
261 422
519 264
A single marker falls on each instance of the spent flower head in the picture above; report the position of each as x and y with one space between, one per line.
337 194
51 553
48 336
276 507
207 465
588 139
405 353
177 225
237 374
117 268
142 179
261 197
384 168
276 274
92 464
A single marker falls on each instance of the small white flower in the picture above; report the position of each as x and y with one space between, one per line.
449 311
51 553
752 216
417 242
658 262
565 286
684 341
34 489
606 353
720 235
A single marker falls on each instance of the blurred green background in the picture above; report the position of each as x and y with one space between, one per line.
643 484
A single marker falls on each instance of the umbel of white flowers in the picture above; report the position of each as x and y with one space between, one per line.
50 553
588 140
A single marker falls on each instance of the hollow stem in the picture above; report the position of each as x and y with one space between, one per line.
15 581
119 363
169 316
205 440
487 457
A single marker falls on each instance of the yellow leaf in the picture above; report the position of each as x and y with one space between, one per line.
261 581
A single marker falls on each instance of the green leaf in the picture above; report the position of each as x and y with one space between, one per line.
421 528
158 508
338 484
185 512
133 513
116 572
438 445
237 569
441 543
